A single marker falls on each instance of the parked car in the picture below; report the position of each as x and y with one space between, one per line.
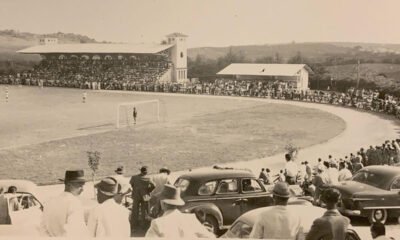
223 195
243 226
27 217
373 192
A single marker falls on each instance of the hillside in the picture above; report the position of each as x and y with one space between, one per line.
313 51
383 75
11 41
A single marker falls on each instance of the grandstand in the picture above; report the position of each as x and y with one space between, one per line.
109 66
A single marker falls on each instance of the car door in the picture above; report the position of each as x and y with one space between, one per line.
29 213
394 199
253 195
228 200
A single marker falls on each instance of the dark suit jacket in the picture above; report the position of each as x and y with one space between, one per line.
141 185
331 226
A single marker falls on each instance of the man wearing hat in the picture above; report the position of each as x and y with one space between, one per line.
63 215
173 223
123 182
142 186
108 219
332 225
277 222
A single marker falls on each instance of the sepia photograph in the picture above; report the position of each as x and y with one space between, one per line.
258 119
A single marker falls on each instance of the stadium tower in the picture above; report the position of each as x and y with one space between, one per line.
178 55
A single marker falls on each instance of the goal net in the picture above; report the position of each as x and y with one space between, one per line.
146 112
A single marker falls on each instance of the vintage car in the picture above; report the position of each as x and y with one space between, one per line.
223 195
373 192
27 217
243 226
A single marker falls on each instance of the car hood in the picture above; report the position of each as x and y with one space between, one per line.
350 188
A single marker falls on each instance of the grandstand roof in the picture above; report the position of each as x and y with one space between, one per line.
96 48
176 34
253 69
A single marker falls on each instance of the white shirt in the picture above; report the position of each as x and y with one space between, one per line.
123 181
63 216
291 169
174 224
333 175
344 174
109 219
159 181
278 222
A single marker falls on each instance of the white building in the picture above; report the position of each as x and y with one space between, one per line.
296 75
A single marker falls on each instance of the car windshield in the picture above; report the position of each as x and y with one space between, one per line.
371 178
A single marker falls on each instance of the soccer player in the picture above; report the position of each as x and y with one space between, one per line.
84 95
6 94
134 115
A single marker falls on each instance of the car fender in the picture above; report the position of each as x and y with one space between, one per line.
207 208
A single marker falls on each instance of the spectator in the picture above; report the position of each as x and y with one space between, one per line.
141 189
344 173
320 181
291 170
263 176
63 215
108 219
123 182
173 224
13 203
332 225
278 222
378 231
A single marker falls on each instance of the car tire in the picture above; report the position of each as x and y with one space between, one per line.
212 222
378 215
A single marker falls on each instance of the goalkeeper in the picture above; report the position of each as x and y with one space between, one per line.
134 113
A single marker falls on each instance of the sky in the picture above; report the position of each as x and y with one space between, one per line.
209 22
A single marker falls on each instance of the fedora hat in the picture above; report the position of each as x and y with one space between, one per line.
74 176
120 170
171 195
107 186
281 189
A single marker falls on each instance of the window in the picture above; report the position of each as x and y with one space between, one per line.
207 188
241 230
227 186
396 184
183 184
250 185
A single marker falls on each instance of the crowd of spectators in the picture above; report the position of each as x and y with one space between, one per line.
143 74
112 74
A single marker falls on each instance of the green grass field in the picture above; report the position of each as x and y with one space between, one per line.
45 131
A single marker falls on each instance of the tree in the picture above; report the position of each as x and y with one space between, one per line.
297 59
266 59
94 162
278 58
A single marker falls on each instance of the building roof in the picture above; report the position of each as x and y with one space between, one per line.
99 48
253 69
176 34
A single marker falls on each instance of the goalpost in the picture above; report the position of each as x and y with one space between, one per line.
150 108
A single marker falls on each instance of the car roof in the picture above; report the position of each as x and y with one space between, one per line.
21 185
387 170
212 173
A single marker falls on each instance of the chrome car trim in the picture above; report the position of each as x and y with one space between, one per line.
382 207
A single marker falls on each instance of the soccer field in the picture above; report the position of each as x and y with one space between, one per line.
45 131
